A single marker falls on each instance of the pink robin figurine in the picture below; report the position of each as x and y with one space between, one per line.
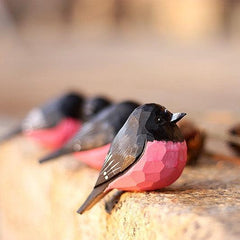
63 110
92 142
148 153
55 137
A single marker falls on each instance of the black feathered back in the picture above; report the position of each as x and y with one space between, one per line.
94 105
71 105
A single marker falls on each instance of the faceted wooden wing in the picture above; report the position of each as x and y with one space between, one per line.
125 150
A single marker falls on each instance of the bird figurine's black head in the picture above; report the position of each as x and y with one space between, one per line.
158 123
94 105
71 105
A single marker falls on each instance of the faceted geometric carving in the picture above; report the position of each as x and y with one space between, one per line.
54 138
161 164
93 158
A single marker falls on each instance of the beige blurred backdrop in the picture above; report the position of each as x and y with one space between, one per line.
183 54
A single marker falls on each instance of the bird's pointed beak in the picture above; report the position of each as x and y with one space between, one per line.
176 117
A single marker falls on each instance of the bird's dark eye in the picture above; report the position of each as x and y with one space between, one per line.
159 119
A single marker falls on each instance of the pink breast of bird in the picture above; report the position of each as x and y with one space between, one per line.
56 137
161 164
93 158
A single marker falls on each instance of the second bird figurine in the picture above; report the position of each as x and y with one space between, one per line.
91 143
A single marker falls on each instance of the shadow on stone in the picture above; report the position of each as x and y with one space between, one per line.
113 201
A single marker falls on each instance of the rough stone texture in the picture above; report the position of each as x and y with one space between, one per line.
40 202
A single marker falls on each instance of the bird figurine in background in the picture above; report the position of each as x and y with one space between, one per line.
94 105
92 141
235 132
148 153
64 108
56 137
195 139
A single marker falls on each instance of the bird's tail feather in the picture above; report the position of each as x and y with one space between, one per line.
96 195
58 153
11 134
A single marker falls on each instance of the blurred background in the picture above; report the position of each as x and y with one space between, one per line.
182 54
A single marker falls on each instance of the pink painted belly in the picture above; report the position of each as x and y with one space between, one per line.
160 166
55 137
93 158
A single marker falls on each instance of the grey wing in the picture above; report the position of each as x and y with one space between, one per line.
93 135
52 113
125 150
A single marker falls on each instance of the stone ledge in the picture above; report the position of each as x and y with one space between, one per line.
40 202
